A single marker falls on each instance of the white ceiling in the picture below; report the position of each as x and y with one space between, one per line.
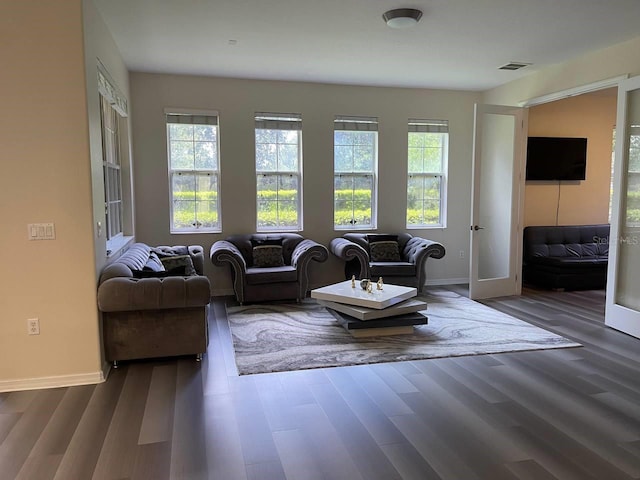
458 44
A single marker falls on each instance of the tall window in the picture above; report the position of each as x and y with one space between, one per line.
194 171
116 162
427 165
111 169
355 160
278 171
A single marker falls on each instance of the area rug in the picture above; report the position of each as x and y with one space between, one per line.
285 337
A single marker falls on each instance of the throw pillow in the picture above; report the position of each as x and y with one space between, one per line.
178 265
265 256
384 251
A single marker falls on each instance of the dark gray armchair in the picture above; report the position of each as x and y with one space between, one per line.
404 264
268 266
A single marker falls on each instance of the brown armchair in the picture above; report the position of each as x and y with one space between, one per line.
375 255
268 266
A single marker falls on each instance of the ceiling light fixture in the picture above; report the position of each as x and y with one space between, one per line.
402 17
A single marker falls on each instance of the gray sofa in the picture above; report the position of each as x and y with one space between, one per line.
407 269
253 282
149 312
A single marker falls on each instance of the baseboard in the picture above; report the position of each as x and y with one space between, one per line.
447 281
52 382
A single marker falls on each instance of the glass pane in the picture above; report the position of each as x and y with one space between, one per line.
628 258
416 139
266 157
266 136
182 155
415 196
363 158
288 158
364 138
180 132
415 160
362 192
184 214
498 136
288 136
342 137
204 133
433 160
205 153
343 158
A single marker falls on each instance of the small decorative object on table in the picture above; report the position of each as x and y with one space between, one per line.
353 281
380 284
364 283
369 287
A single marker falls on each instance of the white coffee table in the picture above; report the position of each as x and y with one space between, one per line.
343 292
390 311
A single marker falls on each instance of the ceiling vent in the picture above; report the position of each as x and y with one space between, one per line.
514 66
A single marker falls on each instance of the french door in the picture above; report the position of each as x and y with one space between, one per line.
498 162
623 279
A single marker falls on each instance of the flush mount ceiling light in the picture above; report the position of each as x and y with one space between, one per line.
402 17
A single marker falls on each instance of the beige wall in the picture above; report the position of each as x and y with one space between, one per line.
590 116
45 178
238 100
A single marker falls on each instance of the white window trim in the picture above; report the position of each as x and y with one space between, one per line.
443 178
170 172
274 117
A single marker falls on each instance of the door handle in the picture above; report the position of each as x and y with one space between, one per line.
476 228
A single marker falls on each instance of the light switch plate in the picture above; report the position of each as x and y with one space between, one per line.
41 231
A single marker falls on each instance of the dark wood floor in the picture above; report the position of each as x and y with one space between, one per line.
563 414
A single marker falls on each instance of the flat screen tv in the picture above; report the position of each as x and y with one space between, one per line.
556 158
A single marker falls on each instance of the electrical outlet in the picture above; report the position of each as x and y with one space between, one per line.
33 326
461 253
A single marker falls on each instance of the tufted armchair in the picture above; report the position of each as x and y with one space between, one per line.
370 256
268 266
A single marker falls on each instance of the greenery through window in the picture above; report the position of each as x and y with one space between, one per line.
633 178
427 161
192 141
278 171
355 157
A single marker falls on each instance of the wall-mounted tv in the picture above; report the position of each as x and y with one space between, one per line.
556 158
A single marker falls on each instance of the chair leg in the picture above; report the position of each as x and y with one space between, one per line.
198 357
114 364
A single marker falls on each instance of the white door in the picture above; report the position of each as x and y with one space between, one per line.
623 279
498 162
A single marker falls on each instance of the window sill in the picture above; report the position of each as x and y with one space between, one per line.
194 232
115 245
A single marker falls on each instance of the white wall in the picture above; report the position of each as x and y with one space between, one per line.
238 100
45 178
599 65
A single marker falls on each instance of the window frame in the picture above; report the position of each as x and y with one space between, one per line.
279 122
357 124
427 127
111 170
209 118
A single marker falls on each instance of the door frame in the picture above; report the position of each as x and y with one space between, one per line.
617 316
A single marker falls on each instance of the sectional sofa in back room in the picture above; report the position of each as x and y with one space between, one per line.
571 257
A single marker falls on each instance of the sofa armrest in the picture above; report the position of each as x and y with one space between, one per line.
306 251
127 294
418 249
224 252
356 257
197 256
